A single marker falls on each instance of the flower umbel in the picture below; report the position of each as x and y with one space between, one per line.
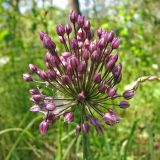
85 77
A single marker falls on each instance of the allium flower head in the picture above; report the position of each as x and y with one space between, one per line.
85 77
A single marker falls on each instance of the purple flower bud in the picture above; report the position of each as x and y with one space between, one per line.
47 57
102 88
73 16
99 32
68 117
80 20
62 39
86 54
81 35
110 64
52 60
85 127
74 44
115 117
101 43
115 57
110 36
118 79
81 96
66 55
43 127
90 34
78 129
115 43
80 44
35 108
94 121
69 69
50 106
109 119
86 43
92 47
60 29
82 67
86 25
41 35
128 94
66 80
43 75
32 68
48 43
106 53
97 78
74 62
124 104
37 97
95 56
34 91
51 75
68 29
111 92
27 77
117 70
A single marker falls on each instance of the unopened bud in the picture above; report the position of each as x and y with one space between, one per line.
85 127
124 104
99 32
60 29
68 117
128 94
82 67
27 77
43 127
111 92
32 68
50 106
97 78
66 80
73 16
34 91
41 35
115 43
68 29
78 129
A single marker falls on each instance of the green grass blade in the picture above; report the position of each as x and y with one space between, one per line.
21 135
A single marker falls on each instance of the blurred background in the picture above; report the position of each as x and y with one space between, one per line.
137 22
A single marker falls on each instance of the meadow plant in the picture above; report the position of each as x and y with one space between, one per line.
85 76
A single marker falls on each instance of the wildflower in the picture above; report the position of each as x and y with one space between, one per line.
85 76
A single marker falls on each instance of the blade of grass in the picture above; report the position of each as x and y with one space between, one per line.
17 130
150 143
59 157
21 135
68 135
107 146
130 138
69 148
86 150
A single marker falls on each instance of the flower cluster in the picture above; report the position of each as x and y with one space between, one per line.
85 76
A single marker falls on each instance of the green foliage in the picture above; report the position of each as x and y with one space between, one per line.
135 137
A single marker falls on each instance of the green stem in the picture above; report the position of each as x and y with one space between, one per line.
86 149
85 140
60 142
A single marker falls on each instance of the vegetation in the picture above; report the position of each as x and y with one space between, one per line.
135 137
